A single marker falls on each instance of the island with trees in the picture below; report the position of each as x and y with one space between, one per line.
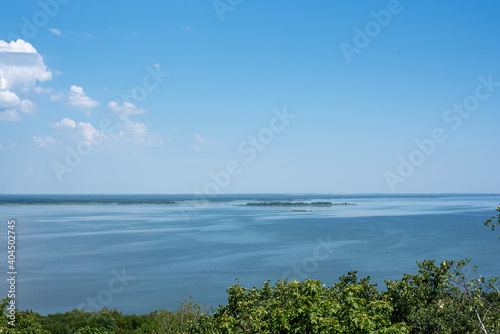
295 204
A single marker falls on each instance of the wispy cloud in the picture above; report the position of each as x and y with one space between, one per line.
124 109
138 133
201 141
44 142
43 90
10 115
128 132
88 131
55 31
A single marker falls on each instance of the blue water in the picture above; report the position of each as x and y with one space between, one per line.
72 256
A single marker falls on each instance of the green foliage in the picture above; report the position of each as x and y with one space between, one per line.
25 322
493 221
306 307
479 298
4 320
188 318
444 298
28 323
90 330
423 300
102 321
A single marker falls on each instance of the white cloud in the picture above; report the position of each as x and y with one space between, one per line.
55 31
12 102
1 147
88 131
137 133
78 98
137 129
82 130
200 141
130 131
10 115
59 96
43 142
9 99
41 90
187 28
64 123
20 68
88 35
124 109
18 46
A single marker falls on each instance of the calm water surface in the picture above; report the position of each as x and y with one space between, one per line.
139 258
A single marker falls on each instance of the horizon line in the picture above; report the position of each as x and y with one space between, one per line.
252 193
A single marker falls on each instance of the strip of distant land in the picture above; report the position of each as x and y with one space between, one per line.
83 200
188 199
295 204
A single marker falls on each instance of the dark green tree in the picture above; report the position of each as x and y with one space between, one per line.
446 298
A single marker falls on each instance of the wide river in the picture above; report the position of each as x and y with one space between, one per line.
138 258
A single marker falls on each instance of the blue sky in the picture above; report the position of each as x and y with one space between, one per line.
238 96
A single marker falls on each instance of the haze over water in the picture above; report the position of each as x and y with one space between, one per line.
157 255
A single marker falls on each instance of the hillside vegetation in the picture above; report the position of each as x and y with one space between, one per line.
440 298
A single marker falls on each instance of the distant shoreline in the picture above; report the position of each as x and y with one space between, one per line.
84 201
262 200
294 204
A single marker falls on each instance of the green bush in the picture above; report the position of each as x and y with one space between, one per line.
306 307
444 298
189 317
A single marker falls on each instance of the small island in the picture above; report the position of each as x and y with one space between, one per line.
294 204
